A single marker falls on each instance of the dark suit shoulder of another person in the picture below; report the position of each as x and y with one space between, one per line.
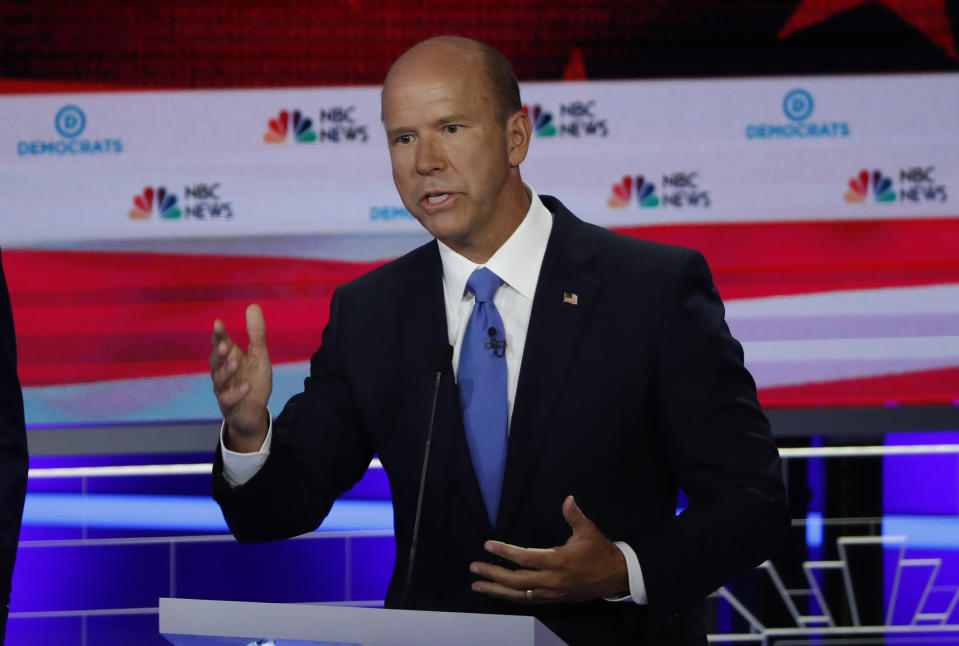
13 448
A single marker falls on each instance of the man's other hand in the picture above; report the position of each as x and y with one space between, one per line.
588 566
242 382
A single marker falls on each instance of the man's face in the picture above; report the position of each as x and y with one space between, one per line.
450 156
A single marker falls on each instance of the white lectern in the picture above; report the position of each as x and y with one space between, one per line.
196 622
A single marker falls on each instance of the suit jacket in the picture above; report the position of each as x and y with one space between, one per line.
623 398
13 451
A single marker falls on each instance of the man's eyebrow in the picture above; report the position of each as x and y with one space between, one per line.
449 118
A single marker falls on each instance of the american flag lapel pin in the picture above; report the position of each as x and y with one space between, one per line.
571 298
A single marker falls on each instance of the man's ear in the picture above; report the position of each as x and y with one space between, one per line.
519 130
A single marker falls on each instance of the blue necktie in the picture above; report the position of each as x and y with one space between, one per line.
482 386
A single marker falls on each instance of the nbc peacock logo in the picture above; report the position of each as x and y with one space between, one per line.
542 120
624 189
865 182
165 202
279 126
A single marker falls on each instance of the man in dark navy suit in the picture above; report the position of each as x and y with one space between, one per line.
13 451
607 382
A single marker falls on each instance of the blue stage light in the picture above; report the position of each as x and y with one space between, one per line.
184 513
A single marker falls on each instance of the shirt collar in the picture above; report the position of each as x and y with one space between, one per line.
517 261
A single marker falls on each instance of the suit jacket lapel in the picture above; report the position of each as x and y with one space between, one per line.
421 323
561 307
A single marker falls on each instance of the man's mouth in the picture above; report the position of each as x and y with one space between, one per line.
436 198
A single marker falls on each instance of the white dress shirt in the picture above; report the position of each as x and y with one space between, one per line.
517 262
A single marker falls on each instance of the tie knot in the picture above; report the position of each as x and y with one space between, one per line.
483 283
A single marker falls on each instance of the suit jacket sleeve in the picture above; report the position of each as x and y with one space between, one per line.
718 444
13 448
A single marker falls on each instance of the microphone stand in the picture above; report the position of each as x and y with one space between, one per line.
444 357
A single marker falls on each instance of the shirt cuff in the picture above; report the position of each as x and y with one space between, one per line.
238 468
637 586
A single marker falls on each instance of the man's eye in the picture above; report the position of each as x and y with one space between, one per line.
404 139
452 128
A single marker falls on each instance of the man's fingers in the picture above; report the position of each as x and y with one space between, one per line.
517 579
255 325
220 355
232 396
529 557
574 515
222 345
241 380
519 596
498 590
224 366
219 333
513 584
223 374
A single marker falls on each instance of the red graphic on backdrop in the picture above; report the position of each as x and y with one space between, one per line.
355 42
929 17
576 67
112 293
170 299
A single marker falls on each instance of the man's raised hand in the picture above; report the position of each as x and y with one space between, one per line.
242 382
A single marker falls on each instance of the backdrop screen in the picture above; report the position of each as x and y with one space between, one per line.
164 166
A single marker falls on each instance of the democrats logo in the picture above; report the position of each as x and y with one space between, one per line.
917 184
577 119
680 189
798 106
333 125
69 122
202 201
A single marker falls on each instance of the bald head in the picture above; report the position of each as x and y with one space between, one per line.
470 57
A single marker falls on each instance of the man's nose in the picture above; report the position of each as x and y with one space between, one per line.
430 157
